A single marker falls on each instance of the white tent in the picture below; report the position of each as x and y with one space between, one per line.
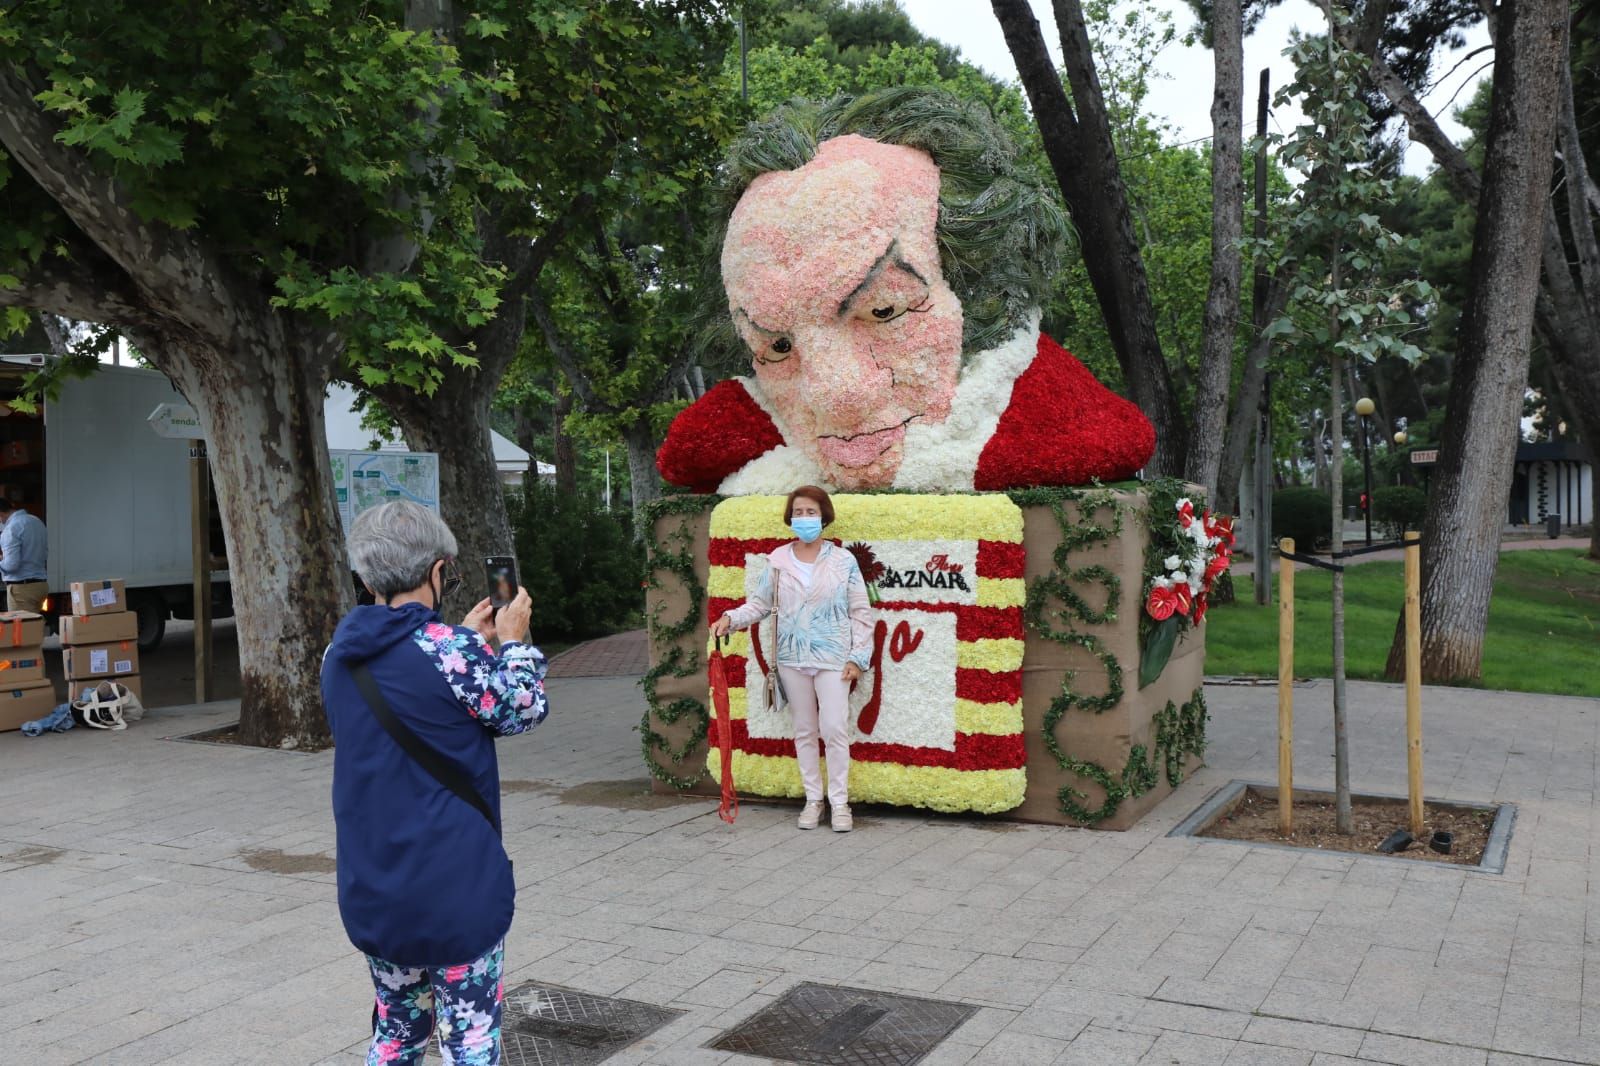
345 433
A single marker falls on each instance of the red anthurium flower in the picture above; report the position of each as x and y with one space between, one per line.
1199 608
1182 598
1186 514
1161 604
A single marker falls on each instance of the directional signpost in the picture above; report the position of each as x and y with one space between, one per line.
179 421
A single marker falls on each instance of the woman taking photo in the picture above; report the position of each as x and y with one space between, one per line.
824 640
415 706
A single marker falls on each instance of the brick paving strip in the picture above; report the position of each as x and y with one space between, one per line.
620 655
173 903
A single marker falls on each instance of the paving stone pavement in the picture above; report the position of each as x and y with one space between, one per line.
169 902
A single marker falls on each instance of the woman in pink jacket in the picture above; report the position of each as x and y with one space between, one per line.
824 644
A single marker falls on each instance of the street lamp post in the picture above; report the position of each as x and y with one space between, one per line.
1364 408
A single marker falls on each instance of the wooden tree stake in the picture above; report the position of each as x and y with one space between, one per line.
1286 688
1414 677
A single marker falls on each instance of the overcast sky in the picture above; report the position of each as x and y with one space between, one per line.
1183 97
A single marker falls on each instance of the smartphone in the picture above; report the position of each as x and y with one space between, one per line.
502 571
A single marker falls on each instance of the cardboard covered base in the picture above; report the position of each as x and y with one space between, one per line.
1105 739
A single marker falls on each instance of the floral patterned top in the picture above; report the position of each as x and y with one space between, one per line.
504 692
823 623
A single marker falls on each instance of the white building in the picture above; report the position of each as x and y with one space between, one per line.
345 433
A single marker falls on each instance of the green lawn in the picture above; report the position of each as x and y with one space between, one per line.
1544 624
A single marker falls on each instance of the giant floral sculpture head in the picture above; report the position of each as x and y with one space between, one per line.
883 264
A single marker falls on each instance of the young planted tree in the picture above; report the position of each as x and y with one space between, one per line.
1339 251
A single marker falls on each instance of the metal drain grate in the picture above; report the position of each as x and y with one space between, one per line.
546 1025
826 1025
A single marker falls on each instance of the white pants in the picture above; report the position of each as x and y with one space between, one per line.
825 700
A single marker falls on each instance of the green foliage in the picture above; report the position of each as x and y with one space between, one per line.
1399 508
1302 513
1543 634
285 141
1345 298
580 564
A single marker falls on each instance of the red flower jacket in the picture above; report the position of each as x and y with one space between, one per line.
1061 427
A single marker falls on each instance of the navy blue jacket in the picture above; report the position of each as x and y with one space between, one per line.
423 878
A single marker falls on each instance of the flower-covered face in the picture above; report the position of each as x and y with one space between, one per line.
834 282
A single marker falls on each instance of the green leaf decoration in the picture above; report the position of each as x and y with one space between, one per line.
1157 650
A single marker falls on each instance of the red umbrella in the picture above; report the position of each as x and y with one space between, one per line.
728 810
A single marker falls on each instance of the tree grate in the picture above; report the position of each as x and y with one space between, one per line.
546 1025
826 1025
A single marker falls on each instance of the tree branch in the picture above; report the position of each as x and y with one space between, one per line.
173 273
545 246
87 287
565 357
1452 161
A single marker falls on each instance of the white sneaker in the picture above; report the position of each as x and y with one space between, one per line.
842 822
810 815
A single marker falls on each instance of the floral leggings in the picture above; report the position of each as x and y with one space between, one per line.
466 999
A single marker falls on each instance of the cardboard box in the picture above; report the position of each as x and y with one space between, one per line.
21 629
21 665
84 662
98 597
80 690
99 628
18 453
24 703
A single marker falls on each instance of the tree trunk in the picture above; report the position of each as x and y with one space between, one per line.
1467 504
566 455
260 406
1077 141
1244 419
454 422
643 479
1209 420
1341 733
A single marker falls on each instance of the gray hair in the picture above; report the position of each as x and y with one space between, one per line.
394 545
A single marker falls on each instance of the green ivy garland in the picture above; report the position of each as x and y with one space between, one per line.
1180 733
676 558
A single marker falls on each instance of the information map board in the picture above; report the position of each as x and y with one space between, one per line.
364 479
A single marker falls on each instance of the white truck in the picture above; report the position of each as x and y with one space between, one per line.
113 495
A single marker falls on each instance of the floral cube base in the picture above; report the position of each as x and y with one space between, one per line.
1005 671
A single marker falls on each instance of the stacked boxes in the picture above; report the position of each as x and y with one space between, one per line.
99 640
25 693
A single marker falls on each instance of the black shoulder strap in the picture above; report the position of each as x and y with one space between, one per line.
439 768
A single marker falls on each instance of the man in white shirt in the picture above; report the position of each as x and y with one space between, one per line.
22 559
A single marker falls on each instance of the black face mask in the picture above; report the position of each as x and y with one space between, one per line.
451 574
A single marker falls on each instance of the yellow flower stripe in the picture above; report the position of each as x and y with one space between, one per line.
726 582
1002 592
1001 655
989 516
994 719
737 643
932 787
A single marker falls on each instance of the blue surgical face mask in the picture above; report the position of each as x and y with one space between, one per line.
807 529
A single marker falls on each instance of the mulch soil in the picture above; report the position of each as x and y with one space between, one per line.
1255 819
